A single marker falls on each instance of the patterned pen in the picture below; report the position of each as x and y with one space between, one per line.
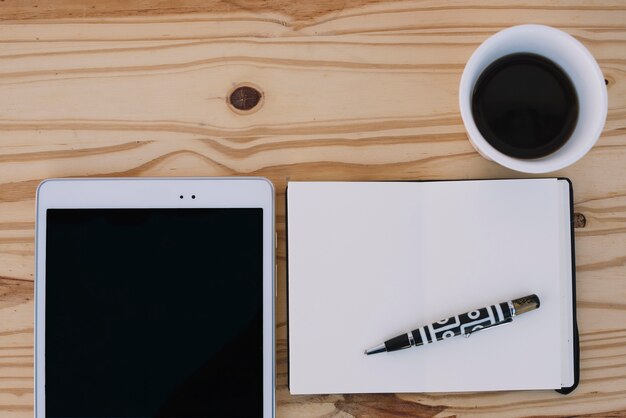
463 324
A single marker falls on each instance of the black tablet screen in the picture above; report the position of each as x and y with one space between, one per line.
154 313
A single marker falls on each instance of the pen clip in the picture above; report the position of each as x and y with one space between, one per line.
499 324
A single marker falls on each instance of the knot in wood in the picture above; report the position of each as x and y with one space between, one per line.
245 98
579 220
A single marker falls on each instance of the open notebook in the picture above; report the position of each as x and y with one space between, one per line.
370 260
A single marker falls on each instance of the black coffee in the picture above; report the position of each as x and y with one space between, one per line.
525 105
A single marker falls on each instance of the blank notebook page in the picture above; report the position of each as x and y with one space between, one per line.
369 261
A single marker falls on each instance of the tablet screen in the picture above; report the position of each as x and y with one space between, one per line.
154 313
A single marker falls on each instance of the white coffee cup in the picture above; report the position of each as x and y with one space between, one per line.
574 59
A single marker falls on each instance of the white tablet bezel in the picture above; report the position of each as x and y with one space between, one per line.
232 192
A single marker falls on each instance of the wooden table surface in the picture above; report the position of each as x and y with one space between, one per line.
352 90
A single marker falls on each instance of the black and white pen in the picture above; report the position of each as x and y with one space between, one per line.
464 324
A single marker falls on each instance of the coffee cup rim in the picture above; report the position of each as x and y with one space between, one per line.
558 159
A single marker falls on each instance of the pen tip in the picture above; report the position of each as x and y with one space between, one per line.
381 348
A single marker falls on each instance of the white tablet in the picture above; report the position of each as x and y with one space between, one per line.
155 298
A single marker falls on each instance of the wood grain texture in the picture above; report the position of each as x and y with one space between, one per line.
353 90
